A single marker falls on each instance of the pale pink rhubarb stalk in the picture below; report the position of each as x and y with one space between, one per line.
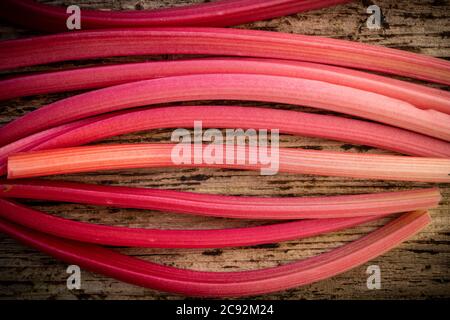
232 87
223 284
224 206
223 42
103 76
290 122
159 238
218 13
126 156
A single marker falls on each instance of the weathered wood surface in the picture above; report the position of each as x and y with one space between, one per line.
417 269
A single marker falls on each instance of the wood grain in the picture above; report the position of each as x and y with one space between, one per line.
418 269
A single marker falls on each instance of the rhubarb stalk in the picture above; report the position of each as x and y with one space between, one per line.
125 156
103 76
284 208
288 122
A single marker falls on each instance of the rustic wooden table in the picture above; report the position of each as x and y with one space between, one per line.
417 269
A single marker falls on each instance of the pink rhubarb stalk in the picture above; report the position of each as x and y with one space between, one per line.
125 156
223 284
289 122
223 42
103 76
224 206
232 87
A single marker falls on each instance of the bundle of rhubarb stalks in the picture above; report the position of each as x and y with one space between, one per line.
236 64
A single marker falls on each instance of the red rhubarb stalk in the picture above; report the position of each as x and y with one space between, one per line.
219 13
223 284
125 156
224 206
223 42
289 122
232 87
103 76
158 238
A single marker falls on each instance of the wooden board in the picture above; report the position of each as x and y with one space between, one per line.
417 269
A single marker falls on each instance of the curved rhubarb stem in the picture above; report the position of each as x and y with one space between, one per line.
289 122
306 124
224 206
223 284
224 42
219 13
158 238
232 87
103 76
109 157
